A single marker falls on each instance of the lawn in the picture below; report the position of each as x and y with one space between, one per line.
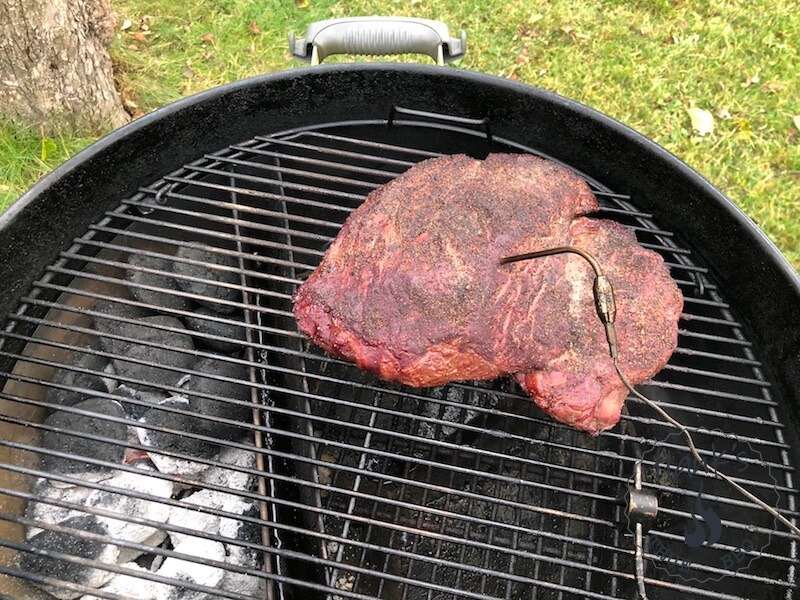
716 83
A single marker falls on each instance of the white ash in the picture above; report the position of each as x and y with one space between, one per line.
133 586
191 519
344 582
137 588
45 512
232 528
232 479
116 502
187 516
195 572
122 504
146 400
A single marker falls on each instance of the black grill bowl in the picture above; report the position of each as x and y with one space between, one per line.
188 172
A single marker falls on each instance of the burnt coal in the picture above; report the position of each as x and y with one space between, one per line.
115 499
64 440
42 510
232 549
183 422
121 503
210 275
101 381
114 310
166 296
68 543
145 333
203 325
144 401
229 390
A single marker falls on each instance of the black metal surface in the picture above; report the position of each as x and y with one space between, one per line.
364 489
361 489
762 286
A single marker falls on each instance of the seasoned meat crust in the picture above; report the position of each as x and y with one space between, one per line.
412 288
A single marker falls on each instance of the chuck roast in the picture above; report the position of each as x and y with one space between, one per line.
412 288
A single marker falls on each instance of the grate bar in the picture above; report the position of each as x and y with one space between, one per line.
192 435
716 394
750 362
358 143
299 187
70 558
376 388
316 162
242 208
327 179
723 376
498 502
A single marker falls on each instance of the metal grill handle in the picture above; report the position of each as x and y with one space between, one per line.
377 36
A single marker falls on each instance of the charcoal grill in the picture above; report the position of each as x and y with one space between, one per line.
358 488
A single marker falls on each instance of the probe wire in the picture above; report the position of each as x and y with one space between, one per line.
606 310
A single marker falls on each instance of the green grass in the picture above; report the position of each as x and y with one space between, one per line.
643 62
26 154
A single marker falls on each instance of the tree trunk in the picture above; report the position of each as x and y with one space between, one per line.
54 65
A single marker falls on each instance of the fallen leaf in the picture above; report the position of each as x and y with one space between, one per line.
724 113
48 147
796 121
573 33
750 80
208 38
301 3
702 120
126 24
139 37
772 87
254 28
188 72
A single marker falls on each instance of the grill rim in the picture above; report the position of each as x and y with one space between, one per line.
47 276
755 275
38 208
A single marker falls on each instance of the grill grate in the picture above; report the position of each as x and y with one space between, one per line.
328 481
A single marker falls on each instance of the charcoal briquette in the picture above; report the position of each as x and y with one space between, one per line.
180 420
116 309
167 295
211 276
63 438
143 400
149 377
68 375
237 390
73 545
202 324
